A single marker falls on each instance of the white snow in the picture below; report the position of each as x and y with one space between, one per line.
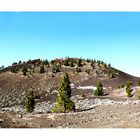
88 87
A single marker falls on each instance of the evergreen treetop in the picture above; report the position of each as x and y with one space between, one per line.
99 90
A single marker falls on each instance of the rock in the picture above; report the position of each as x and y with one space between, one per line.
1 120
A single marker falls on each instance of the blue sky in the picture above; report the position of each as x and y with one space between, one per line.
110 36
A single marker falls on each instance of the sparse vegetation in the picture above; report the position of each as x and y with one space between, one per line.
99 90
29 102
64 103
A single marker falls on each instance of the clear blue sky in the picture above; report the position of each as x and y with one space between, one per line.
110 36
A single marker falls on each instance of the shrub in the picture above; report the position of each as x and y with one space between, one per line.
14 70
29 61
79 63
83 95
109 65
24 71
121 86
52 62
19 62
42 69
129 83
129 89
63 102
72 63
88 71
78 69
46 62
98 62
113 75
138 83
105 65
66 62
29 102
55 68
88 60
15 63
99 90
139 95
92 63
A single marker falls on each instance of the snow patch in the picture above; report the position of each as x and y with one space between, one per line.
88 87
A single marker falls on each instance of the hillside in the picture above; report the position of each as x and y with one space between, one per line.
16 79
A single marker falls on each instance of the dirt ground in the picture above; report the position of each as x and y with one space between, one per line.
116 116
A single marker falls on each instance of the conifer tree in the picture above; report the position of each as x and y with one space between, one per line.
79 63
99 90
24 71
55 68
138 83
64 103
92 63
72 63
45 62
42 69
129 89
29 102
66 62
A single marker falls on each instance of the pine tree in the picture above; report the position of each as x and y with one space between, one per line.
78 69
65 85
55 68
42 69
79 63
99 90
72 63
66 62
29 102
46 62
20 62
64 103
129 89
92 63
138 83
109 66
24 71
